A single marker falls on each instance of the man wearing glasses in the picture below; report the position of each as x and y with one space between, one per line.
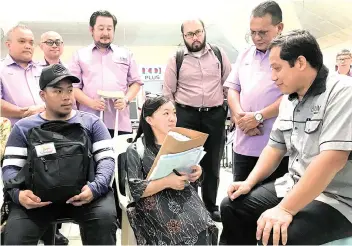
253 96
52 45
344 62
199 96
19 77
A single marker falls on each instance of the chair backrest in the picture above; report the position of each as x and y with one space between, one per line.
121 143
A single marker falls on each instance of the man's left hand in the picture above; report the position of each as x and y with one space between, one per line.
86 196
120 104
247 122
276 219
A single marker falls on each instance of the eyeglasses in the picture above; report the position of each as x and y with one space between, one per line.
261 34
50 42
198 33
340 60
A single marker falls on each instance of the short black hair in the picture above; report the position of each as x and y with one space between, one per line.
269 7
105 13
299 43
201 22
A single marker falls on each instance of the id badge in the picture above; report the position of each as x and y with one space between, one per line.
45 149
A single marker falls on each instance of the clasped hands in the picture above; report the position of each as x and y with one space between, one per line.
247 123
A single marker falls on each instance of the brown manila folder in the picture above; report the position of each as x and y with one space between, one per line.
172 145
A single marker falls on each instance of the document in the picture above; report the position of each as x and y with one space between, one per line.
182 162
181 149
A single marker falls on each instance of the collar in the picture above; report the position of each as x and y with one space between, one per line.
318 86
206 49
9 61
44 62
93 46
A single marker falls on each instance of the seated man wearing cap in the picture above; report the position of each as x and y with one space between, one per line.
94 208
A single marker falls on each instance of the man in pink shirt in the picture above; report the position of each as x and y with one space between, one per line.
52 45
19 77
199 97
253 96
344 62
105 66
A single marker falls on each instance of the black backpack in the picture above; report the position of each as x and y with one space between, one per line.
180 56
59 161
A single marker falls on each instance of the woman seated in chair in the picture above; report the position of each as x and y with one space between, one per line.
167 210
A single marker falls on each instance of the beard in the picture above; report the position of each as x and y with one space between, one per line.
102 45
195 46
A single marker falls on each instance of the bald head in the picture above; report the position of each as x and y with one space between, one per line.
192 21
19 27
50 35
52 46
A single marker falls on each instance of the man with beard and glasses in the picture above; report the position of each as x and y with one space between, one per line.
105 66
93 209
199 97
19 77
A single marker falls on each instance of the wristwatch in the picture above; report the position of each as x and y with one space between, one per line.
127 101
259 117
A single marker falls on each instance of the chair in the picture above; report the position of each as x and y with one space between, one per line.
121 143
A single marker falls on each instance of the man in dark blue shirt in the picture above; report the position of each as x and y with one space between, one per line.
94 208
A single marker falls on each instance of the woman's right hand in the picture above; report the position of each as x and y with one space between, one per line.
176 182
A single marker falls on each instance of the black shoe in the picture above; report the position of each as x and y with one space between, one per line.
215 215
60 239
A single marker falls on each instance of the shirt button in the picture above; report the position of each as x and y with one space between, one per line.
296 159
296 128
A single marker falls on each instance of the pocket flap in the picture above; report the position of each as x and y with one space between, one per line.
285 125
311 126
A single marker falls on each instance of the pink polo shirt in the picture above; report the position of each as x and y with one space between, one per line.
200 82
19 86
114 70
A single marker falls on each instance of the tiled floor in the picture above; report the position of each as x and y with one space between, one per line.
72 231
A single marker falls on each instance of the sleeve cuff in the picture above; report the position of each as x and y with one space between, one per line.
232 85
92 187
276 144
336 145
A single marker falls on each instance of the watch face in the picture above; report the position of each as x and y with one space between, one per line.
258 116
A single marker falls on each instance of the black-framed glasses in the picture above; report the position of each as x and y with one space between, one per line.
57 42
198 33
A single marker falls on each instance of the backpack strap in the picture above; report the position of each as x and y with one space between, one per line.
217 53
179 60
180 55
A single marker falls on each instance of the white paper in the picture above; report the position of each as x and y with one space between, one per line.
182 162
178 136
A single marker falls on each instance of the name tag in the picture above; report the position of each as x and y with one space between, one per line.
45 149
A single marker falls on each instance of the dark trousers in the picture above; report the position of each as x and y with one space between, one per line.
118 209
97 221
316 224
243 166
212 123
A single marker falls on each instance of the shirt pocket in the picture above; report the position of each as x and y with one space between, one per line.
312 130
121 66
286 128
213 69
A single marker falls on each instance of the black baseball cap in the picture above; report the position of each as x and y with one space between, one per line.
53 74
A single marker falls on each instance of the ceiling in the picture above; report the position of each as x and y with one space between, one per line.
329 21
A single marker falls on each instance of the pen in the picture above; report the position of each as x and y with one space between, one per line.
179 174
